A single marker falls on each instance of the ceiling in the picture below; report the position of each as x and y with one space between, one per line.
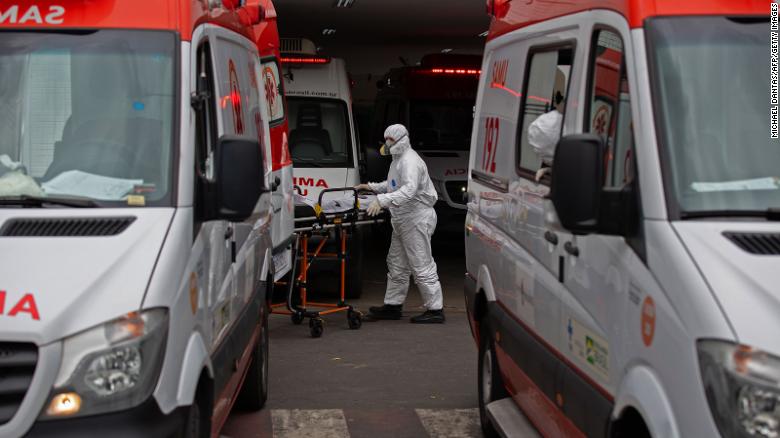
447 23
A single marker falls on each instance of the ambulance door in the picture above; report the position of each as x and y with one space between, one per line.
282 168
214 235
606 279
240 302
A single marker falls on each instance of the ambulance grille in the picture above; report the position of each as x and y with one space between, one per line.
65 227
17 366
757 243
290 44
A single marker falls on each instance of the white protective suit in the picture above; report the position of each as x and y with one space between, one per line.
409 195
544 133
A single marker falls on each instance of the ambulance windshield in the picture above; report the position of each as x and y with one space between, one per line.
712 97
441 125
319 132
87 114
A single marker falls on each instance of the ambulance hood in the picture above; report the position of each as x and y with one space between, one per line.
57 286
446 165
746 285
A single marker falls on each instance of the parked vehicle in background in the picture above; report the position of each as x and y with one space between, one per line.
435 100
323 135
135 217
633 290
268 44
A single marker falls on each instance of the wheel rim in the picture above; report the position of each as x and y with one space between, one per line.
487 376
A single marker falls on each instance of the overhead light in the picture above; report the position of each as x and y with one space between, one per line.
483 34
343 3
328 31
446 50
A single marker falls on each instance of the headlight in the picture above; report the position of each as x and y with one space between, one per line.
111 367
742 387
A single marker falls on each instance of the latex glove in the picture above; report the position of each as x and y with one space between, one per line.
374 208
541 172
363 188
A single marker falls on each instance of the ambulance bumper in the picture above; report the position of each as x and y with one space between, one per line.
145 420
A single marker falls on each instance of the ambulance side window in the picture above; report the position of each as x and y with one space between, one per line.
273 90
609 106
542 107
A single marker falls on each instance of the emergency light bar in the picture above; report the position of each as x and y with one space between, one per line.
455 71
304 60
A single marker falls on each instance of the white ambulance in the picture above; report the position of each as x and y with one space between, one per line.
135 217
323 136
622 236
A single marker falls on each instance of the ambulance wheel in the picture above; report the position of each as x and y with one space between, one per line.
197 423
297 318
490 384
354 319
353 288
316 327
254 392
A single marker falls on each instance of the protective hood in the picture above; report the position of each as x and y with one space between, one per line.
56 286
746 285
401 137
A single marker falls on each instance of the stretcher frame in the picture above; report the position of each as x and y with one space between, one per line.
343 222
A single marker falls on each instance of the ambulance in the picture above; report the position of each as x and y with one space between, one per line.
323 136
626 285
435 101
136 215
268 45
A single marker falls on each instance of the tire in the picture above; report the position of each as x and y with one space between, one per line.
489 382
354 274
254 392
197 423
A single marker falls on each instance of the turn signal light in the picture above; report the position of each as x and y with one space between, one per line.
64 404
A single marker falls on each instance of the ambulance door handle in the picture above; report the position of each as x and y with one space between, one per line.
571 249
551 237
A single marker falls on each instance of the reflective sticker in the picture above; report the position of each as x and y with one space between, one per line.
590 348
194 292
648 321
136 200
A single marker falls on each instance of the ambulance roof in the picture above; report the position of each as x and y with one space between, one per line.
325 81
510 15
176 15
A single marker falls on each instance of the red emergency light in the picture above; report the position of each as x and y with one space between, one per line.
455 71
304 60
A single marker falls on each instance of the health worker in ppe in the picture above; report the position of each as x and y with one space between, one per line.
544 133
409 195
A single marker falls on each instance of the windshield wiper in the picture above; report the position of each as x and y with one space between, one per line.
772 214
41 201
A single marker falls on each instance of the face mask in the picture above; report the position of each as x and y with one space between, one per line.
385 149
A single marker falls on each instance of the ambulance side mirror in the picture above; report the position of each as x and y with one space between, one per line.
577 179
240 178
582 203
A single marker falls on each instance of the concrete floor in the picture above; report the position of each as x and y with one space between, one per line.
388 379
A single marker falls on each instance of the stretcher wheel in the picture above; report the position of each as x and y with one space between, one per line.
354 319
297 318
316 327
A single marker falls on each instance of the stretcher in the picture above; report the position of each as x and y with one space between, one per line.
336 218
